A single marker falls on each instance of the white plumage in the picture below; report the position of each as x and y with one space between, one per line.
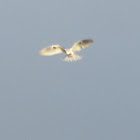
71 56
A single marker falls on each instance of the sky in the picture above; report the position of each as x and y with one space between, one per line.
44 98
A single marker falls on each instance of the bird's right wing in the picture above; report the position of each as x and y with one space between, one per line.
52 50
81 44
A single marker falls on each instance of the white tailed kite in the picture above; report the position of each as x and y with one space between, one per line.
71 56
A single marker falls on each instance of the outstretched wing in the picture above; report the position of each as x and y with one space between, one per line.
52 50
81 44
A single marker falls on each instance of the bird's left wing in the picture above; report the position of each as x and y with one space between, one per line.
52 50
81 44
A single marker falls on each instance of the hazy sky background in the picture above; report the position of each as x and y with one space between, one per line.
44 98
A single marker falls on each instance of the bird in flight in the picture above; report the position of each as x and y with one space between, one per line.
71 55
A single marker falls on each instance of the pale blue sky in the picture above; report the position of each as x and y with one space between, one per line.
44 98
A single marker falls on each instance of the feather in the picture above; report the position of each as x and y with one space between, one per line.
81 45
52 50
74 57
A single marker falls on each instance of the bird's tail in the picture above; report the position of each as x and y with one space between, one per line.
74 57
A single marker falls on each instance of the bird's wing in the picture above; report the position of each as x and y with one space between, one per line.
81 44
52 50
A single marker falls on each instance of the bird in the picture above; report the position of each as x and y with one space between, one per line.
70 53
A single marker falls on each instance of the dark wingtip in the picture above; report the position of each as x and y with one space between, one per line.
88 41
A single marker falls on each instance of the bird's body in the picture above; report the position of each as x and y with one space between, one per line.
71 56
69 52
